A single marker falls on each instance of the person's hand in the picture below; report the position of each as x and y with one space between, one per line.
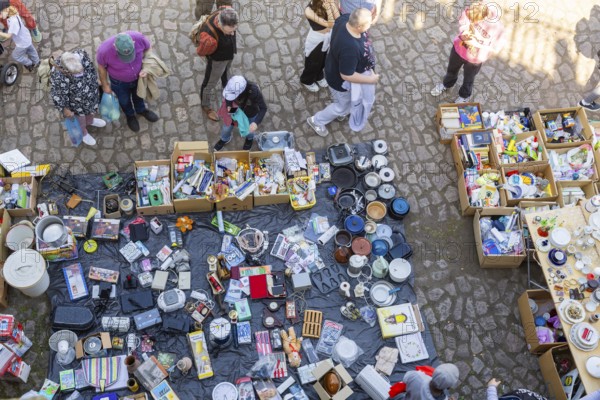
143 74
67 113
375 78
253 127
106 89
494 382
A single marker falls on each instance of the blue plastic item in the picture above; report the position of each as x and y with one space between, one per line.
379 247
354 224
109 107
540 321
74 131
399 208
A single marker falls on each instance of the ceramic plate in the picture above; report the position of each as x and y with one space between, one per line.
384 230
380 294
575 306
593 366
595 220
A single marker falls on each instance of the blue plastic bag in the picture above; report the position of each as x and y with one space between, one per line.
109 107
74 130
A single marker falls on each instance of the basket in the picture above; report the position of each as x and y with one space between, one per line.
293 195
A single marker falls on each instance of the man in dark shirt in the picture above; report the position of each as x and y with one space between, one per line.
224 24
350 54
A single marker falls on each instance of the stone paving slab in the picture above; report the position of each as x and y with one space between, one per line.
549 62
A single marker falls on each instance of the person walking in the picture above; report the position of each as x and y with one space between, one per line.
119 61
321 15
74 90
589 100
27 18
243 102
480 34
219 31
24 52
350 56
347 6
420 386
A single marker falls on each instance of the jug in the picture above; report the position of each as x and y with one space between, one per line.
356 264
380 267
342 254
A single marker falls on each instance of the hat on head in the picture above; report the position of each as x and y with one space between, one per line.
125 47
445 376
235 87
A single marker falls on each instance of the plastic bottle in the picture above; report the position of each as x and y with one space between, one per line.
22 200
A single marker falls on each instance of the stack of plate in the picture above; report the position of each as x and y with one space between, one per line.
584 336
571 311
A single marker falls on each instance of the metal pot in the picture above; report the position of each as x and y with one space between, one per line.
372 180
51 230
362 163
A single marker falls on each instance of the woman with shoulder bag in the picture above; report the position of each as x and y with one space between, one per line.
74 90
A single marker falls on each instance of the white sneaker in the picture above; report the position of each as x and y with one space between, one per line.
461 100
319 129
98 123
323 83
438 89
89 140
313 87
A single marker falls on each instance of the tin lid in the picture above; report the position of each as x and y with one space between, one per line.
354 224
24 268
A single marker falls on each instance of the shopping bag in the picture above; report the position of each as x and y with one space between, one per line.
74 130
109 107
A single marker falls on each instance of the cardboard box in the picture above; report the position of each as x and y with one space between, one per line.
546 172
18 372
545 304
564 150
113 215
104 338
588 188
199 151
152 210
232 203
4 253
519 137
465 207
540 116
446 135
263 200
200 353
324 367
31 210
525 204
550 373
456 151
496 261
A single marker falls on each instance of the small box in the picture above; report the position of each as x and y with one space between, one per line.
550 372
31 209
281 197
301 282
324 367
496 261
160 280
143 206
543 169
587 187
147 319
104 339
200 352
105 229
232 203
115 214
198 151
550 114
77 224
545 303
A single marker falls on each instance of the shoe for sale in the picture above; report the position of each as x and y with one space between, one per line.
341 118
133 123
438 89
36 35
313 87
593 106
210 113
248 144
89 140
323 83
220 144
150 115
461 100
319 129
98 123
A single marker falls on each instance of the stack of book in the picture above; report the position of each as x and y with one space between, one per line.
462 117
474 149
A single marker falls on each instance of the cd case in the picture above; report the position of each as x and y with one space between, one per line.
105 229
75 281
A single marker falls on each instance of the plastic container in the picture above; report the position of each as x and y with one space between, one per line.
109 107
74 130
293 196
25 270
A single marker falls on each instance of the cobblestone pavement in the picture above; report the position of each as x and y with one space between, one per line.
549 62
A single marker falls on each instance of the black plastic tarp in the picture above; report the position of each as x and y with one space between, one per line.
228 364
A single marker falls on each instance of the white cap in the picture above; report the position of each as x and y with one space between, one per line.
235 86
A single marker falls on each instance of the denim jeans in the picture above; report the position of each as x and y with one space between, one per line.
227 129
126 92
27 56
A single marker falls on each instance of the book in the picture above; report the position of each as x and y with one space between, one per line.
150 373
75 281
49 389
163 392
470 117
13 160
397 320
103 274
80 381
482 138
67 380
411 348
449 112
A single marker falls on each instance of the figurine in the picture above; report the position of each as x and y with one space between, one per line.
291 346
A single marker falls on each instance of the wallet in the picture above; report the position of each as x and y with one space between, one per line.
137 301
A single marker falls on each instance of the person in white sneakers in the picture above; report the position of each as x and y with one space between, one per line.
480 34
321 15
74 90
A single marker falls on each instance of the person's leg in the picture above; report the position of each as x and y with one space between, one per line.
454 63
313 66
33 55
470 71
592 96
226 131
341 106
225 75
121 90
19 54
211 78
138 102
83 123
204 99
249 139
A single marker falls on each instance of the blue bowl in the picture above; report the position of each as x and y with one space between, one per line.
379 247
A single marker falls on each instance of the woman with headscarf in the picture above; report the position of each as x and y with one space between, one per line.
74 90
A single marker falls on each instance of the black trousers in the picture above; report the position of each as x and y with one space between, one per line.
470 71
313 66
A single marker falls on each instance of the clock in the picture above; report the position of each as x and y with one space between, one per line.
225 391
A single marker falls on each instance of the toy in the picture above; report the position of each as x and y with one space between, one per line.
291 346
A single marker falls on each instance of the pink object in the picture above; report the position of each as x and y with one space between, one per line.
544 335
485 37
555 321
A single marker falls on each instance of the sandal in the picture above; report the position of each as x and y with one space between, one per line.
210 113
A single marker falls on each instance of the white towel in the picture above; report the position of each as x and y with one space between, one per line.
313 39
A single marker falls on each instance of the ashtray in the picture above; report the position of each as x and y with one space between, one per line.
543 245
557 257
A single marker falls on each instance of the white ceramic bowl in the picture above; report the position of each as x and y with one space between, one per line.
399 270
560 237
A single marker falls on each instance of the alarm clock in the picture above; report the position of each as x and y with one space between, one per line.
225 391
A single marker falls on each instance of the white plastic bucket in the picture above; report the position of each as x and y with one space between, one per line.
26 270
20 236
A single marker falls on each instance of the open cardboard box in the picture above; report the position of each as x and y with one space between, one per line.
466 207
527 207
588 187
268 199
104 338
31 210
446 138
545 304
550 372
199 151
152 210
546 172
518 138
564 150
324 367
496 261
232 203
4 253
458 156
540 116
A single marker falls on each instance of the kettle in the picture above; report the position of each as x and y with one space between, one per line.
356 264
380 267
